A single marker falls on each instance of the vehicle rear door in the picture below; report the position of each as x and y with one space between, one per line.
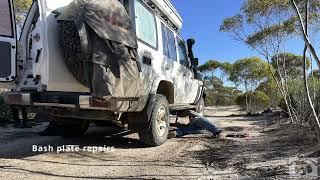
8 42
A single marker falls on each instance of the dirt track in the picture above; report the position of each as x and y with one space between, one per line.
264 153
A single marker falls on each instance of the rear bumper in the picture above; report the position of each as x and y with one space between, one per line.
63 100
20 99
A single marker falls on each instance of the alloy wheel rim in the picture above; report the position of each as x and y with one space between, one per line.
161 124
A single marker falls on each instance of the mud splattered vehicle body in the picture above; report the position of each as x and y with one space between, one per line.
40 78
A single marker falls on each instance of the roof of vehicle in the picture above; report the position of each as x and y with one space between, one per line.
169 11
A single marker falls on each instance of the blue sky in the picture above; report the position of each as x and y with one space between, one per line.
202 19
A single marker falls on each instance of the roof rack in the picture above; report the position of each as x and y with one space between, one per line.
167 12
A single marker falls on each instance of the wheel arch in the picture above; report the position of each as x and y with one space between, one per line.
166 88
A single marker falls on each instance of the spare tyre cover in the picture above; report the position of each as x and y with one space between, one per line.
108 18
113 38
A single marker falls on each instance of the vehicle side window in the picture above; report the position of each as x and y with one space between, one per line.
6 28
165 40
183 58
169 43
145 24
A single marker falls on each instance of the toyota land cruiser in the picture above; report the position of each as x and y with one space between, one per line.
34 68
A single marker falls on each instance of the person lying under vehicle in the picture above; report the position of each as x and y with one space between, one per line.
198 125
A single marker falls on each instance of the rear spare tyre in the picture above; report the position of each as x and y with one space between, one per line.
73 55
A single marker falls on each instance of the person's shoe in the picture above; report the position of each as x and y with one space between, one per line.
217 134
172 134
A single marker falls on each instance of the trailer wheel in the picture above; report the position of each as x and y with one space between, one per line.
71 45
158 125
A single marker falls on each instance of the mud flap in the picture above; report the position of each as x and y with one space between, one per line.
141 120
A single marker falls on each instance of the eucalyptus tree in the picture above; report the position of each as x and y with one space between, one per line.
249 73
21 9
290 65
266 26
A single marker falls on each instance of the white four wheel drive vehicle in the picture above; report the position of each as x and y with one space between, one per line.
40 78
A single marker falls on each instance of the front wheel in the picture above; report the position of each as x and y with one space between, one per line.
200 109
200 106
158 125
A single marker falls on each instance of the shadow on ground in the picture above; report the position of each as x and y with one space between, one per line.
264 157
19 142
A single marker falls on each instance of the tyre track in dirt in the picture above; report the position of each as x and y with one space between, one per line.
263 154
128 161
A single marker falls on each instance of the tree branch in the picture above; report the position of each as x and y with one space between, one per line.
304 33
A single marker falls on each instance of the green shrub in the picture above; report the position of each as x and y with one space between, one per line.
298 99
219 100
271 89
253 102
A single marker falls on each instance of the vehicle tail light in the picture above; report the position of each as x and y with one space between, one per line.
99 103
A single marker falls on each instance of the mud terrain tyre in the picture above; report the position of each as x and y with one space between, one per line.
158 125
73 55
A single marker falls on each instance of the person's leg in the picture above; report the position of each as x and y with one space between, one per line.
183 131
186 130
203 123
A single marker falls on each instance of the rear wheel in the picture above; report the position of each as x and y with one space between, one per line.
157 130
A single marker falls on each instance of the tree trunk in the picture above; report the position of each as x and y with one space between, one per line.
307 91
304 29
247 104
282 90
